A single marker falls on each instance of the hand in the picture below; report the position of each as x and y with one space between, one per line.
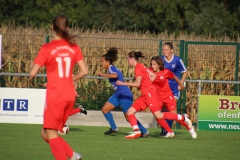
45 85
76 94
181 88
119 83
100 73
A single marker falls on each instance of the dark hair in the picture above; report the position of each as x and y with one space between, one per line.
159 61
60 26
135 55
170 44
111 55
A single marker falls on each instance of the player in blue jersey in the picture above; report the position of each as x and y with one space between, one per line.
175 65
122 97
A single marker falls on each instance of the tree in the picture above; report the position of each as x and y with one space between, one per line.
211 18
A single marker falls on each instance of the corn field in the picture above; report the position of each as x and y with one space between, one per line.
21 45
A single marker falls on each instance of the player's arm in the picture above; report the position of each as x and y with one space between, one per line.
136 83
111 75
83 70
179 82
152 76
75 86
183 70
34 69
184 76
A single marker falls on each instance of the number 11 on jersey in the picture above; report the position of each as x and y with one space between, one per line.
60 61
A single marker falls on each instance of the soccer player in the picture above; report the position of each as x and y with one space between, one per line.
59 57
148 97
175 65
80 108
122 97
165 95
76 110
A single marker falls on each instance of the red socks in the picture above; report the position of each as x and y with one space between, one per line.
132 120
57 149
67 148
170 116
164 124
184 124
74 111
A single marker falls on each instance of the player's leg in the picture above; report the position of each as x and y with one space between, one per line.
133 122
172 107
44 135
52 123
126 104
108 106
169 106
139 104
176 94
168 115
58 117
69 151
155 105
155 109
79 109
176 117
164 132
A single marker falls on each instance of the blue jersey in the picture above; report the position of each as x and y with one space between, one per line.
121 91
175 65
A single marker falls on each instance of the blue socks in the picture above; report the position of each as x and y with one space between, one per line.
169 122
110 120
141 128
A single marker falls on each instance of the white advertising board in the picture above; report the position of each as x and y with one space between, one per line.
22 105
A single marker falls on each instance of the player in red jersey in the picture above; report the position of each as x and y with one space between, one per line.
80 108
165 95
148 97
59 57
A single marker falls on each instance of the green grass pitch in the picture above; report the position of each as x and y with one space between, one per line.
23 142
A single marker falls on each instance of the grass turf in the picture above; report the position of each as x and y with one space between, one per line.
23 141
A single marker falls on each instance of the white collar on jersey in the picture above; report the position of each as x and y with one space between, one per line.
170 60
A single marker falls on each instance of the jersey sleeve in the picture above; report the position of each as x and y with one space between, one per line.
79 54
41 57
138 71
181 66
169 74
113 69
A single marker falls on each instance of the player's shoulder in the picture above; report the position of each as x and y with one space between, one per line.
176 57
150 69
168 71
112 67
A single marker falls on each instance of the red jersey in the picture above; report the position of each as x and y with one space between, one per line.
59 58
161 82
146 84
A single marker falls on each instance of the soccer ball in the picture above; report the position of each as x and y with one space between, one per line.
64 130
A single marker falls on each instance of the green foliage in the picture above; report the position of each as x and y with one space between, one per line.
2 81
215 17
94 94
212 18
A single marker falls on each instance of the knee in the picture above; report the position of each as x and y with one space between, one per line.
129 113
158 115
44 136
126 117
174 111
104 110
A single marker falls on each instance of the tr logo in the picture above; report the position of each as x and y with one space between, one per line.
9 105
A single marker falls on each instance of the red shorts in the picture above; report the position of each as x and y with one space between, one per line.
147 100
169 101
56 114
